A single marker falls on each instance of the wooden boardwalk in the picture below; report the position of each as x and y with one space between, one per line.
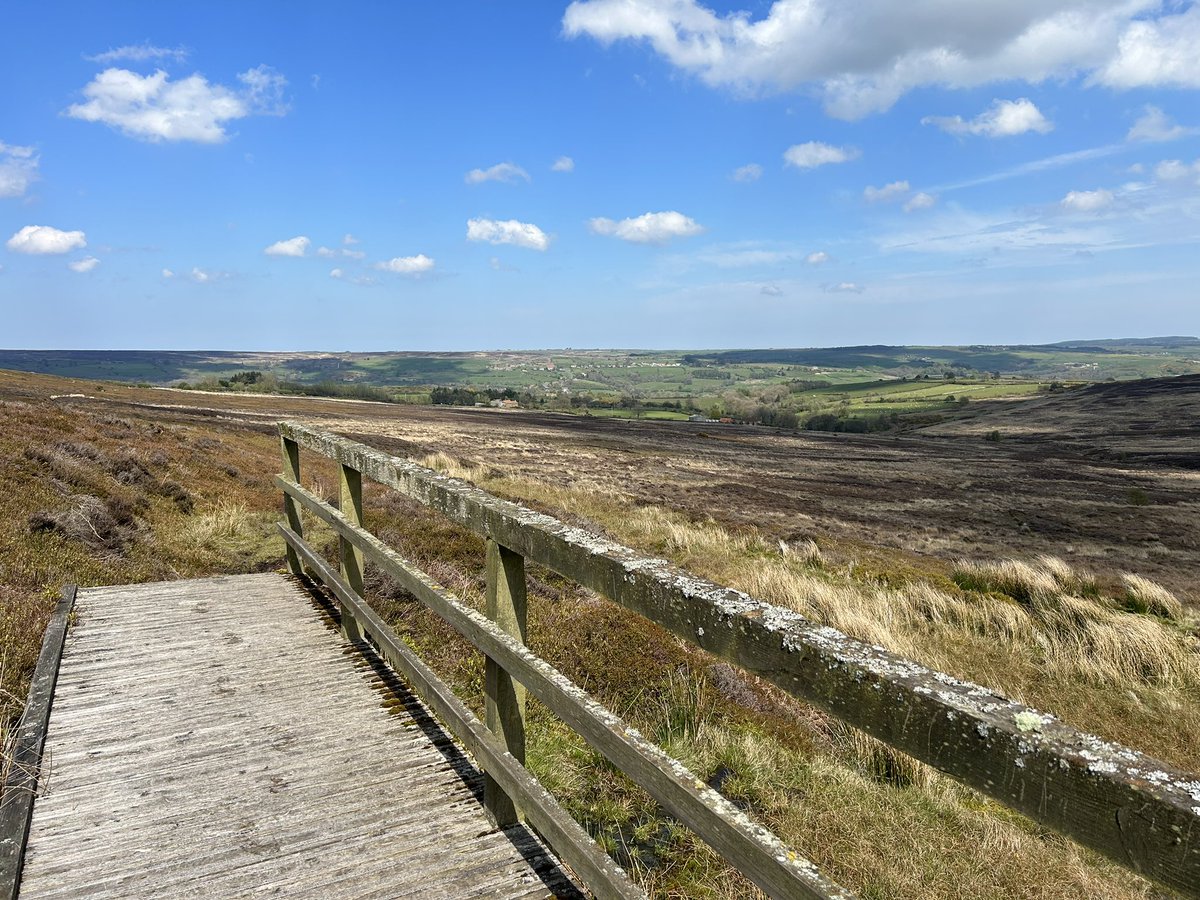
218 738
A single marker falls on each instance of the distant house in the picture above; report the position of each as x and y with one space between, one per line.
505 404
697 418
725 420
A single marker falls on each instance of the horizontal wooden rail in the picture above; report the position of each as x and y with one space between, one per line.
758 853
602 876
1135 809
16 804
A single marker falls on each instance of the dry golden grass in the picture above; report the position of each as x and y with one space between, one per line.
1143 595
1039 630
834 795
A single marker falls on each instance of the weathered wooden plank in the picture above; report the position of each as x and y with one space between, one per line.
1137 810
756 852
601 875
253 753
290 452
21 785
350 481
504 697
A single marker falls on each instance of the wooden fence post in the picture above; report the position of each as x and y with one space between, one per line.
352 557
290 451
505 697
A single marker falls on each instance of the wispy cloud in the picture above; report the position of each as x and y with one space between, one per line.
506 172
919 200
747 173
563 164
139 53
813 153
1155 126
1058 161
18 169
83 266
1087 201
888 193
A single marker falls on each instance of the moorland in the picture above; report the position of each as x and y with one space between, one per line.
866 388
1044 547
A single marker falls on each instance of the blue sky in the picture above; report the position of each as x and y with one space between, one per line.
605 173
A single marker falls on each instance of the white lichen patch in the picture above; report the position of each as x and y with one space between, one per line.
1028 720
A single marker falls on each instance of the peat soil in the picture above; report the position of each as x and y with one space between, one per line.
1107 477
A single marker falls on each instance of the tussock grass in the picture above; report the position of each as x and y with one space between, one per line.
1144 595
448 465
1039 630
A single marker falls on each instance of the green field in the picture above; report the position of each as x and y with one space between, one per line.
787 387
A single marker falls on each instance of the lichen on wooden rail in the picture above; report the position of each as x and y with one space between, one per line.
753 849
603 877
1135 809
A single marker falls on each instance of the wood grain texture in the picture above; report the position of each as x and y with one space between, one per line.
218 738
1135 809
748 845
504 696
603 877
26 770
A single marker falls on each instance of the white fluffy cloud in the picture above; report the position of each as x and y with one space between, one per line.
297 246
331 252
18 169
505 171
509 231
40 239
1157 52
167 273
406 265
1087 201
563 164
817 258
648 228
83 265
1155 126
919 200
1004 118
336 273
886 194
1175 170
748 172
863 55
155 108
138 53
813 153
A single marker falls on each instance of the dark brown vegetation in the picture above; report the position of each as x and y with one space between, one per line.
96 489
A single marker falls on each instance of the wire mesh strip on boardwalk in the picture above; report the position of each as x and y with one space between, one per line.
753 849
1133 808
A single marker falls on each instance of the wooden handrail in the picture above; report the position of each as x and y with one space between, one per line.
756 851
1135 809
